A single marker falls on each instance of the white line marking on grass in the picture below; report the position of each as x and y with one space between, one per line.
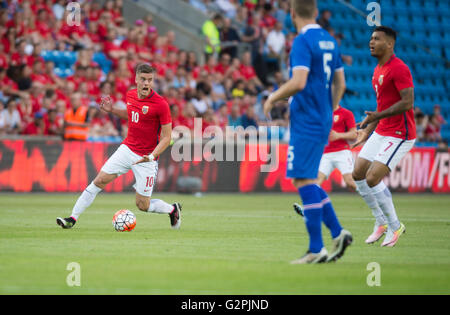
221 214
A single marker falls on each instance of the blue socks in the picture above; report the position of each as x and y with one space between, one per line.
317 207
329 216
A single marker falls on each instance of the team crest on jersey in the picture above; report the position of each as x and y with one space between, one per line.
144 109
380 79
336 118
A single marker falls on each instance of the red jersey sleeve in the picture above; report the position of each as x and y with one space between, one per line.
164 113
402 77
350 120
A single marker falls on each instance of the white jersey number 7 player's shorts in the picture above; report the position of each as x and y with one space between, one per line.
145 173
342 160
386 150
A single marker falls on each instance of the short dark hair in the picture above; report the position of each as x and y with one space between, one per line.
144 68
217 16
387 30
304 8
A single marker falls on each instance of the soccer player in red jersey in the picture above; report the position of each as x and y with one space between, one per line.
337 153
394 134
149 134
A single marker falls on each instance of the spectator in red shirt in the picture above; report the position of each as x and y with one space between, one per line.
93 11
189 113
246 68
40 76
85 58
175 114
222 116
433 129
19 57
172 61
159 64
42 23
234 71
143 51
268 21
437 113
63 95
208 67
50 73
103 23
8 40
191 63
130 42
112 46
35 55
7 86
17 23
4 58
53 123
209 119
94 37
152 38
225 61
78 76
170 43
36 127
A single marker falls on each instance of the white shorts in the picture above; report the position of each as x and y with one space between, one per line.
386 150
145 173
342 160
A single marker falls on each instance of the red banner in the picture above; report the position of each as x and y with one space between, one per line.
50 166
421 170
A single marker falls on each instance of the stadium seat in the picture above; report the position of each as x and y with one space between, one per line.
422 42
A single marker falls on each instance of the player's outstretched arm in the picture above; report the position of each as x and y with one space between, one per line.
296 84
164 141
338 87
350 135
406 103
107 105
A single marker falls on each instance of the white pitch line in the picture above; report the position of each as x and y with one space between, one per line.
210 214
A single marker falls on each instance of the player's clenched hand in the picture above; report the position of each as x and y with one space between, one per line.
145 158
333 136
106 103
360 139
370 118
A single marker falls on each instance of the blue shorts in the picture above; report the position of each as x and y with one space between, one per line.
304 159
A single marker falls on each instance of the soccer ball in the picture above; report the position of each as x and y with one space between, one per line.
124 220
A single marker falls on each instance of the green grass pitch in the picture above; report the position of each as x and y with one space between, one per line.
228 244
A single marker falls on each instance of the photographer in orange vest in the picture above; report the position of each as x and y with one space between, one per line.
75 120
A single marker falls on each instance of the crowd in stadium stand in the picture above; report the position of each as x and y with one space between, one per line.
229 89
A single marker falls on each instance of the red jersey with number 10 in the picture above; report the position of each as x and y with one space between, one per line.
145 117
388 80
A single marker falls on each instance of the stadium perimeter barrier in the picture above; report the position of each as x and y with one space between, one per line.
50 165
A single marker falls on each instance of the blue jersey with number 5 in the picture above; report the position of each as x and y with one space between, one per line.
315 50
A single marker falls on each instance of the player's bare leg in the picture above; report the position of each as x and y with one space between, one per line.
348 180
374 177
87 197
321 177
102 179
359 175
147 204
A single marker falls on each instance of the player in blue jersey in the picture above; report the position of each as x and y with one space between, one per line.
315 66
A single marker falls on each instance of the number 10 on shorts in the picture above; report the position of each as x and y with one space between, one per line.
149 182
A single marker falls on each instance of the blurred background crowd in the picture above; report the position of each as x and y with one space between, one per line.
228 88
